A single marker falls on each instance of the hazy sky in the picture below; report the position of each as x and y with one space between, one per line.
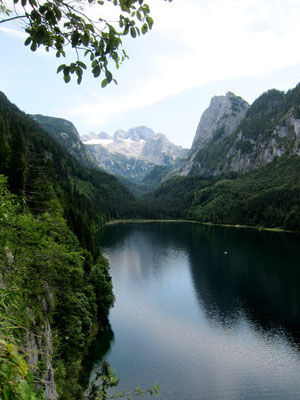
197 49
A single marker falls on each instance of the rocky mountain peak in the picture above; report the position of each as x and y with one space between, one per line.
135 152
141 133
120 134
95 136
135 134
220 118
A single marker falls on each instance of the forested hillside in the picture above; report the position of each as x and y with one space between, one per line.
55 284
266 197
38 168
65 133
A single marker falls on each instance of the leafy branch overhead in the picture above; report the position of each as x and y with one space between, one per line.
59 24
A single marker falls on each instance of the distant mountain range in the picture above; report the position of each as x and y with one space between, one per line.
133 153
243 166
129 155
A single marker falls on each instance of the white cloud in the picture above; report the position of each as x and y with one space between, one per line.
13 32
197 42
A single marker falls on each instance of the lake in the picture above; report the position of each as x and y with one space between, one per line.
205 311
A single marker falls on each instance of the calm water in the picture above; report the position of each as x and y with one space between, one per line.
207 312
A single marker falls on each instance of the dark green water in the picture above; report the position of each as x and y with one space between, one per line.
207 312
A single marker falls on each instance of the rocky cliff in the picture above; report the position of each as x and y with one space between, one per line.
220 119
250 139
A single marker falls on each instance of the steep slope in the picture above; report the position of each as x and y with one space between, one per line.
217 123
220 119
65 133
49 252
270 129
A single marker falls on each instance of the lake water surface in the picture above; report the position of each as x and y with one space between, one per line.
207 312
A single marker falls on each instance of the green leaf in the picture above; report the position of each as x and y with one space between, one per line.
90 27
25 390
81 64
33 47
50 17
72 68
109 76
133 32
75 38
27 41
67 78
150 22
104 83
85 39
96 71
144 29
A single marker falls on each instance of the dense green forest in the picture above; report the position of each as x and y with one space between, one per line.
55 283
267 197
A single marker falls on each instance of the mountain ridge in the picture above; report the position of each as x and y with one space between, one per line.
269 128
139 142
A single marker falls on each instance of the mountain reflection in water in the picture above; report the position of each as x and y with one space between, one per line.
208 312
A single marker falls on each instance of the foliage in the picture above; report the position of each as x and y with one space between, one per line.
50 175
269 197
105 380
60 24
59 281
16 381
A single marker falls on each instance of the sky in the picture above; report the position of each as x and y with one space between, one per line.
197 49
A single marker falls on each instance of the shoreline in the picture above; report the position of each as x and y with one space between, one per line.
143 221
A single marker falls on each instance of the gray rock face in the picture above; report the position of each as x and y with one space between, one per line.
248 154
135 134
161 151
133 153
217 122
95 136
220 119
230 139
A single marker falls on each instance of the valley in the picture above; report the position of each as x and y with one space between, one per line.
58 190
242 167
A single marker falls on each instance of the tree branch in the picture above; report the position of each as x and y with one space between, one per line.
13 18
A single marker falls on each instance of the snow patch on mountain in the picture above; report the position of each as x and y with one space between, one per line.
140 142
